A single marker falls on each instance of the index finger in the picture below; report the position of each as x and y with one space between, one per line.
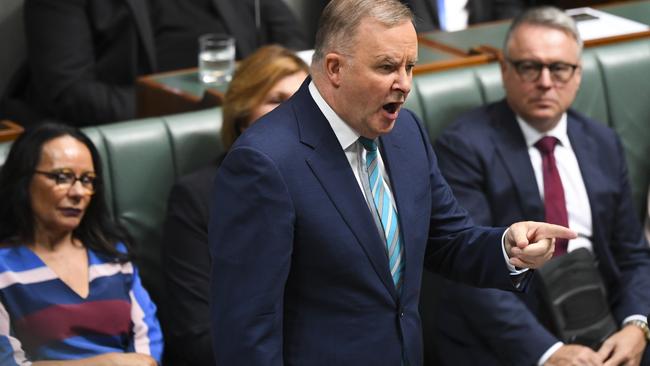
547 231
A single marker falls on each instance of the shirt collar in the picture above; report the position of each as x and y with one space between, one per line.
344 133
531 135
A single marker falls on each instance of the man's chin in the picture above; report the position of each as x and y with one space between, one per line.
385 126
543 121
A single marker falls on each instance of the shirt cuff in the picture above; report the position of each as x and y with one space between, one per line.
513 270
635 317
549 352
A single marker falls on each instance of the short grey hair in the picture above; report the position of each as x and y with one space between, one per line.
340 20
545 16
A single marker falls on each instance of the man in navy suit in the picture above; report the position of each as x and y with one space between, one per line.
305 221
490 159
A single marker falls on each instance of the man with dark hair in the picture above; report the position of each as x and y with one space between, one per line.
318 236
531 157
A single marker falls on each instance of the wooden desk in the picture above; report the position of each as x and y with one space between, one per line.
181 91
430 56
634 10
489 37
9 131
176 92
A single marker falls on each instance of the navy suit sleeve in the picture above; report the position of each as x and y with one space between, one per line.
62 49
251 245
500 319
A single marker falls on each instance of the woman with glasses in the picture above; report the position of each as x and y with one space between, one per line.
68 290
265 79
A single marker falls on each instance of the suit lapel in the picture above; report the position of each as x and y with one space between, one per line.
513 152
145 29
586 153
330 166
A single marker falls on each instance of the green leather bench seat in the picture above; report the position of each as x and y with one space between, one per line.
626 79
143 159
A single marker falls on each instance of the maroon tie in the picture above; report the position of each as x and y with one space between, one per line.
554 204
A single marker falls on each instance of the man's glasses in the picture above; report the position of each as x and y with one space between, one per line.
530 71
65 179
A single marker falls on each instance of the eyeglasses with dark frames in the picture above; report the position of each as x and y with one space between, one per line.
64 179
529 70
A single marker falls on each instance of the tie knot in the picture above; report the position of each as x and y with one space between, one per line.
546 144
368 144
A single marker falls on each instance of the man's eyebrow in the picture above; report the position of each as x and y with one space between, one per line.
385 58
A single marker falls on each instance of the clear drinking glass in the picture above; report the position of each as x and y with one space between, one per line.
216 58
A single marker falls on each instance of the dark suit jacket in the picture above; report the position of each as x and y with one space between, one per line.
300 273
484 158
479 11
186 261
179 23
83 59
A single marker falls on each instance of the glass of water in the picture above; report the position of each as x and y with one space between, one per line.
216 58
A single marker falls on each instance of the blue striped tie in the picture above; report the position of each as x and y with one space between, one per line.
386 211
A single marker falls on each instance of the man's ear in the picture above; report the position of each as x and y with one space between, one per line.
333 64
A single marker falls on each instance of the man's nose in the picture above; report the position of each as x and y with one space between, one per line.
403 81
545 79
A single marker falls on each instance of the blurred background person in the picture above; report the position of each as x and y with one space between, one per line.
252 23
453 15
263 80
83 57
68 290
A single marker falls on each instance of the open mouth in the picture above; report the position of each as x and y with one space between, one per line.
391 107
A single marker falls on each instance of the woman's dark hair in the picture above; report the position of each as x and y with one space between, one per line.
96 230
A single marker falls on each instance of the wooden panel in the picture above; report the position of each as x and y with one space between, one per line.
174 92
9 131
568 4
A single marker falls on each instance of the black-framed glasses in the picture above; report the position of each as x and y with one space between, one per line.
530 70
64 179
